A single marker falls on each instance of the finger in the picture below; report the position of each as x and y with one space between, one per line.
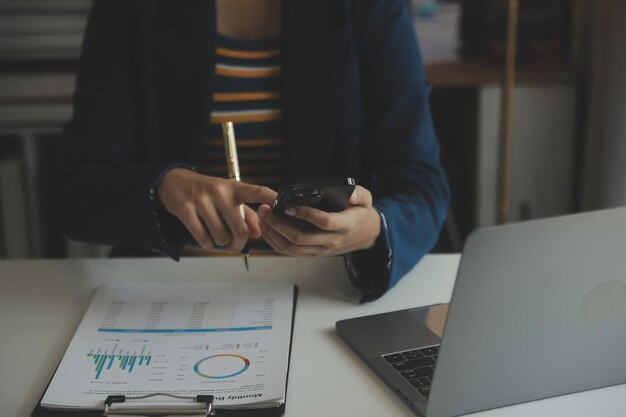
263 210
360 197
236 224
319 218
215 225
266 236
298 236
271 237
250 193
283 246
252 221
197 229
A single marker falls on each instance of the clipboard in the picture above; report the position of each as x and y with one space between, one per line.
113 406
196 406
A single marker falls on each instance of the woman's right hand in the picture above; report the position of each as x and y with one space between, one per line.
209 207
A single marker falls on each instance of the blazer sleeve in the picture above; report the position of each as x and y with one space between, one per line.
409 187
105 188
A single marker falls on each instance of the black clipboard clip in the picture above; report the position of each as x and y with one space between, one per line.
112 408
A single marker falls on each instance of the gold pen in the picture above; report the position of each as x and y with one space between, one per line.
232 162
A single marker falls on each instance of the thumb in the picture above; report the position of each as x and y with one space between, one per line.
360 197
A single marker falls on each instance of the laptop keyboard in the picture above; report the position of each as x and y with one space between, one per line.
417 366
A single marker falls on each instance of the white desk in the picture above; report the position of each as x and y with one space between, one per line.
42 302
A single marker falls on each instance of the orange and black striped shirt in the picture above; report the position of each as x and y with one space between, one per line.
247 91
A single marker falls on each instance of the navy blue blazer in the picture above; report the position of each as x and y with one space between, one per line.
355 103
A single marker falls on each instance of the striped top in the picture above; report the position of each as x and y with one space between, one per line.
247 90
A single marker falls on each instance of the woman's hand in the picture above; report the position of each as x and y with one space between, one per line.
209 207
355 228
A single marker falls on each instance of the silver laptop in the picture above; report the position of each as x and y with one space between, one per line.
538 310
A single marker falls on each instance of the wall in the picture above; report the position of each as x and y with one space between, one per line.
542 153
604 180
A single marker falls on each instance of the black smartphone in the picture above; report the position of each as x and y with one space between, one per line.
327 195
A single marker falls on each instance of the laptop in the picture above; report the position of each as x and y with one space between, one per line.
538 310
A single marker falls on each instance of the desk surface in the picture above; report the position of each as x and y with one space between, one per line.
42 302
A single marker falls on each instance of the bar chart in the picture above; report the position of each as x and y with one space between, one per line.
118 359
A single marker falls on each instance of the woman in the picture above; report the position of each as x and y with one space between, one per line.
320 89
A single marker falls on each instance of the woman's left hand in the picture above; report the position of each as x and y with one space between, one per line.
355 228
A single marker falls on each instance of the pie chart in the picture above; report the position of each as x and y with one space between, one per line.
225 365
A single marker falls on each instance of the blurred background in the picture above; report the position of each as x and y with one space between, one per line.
568 113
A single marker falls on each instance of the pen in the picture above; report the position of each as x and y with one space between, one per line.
232 162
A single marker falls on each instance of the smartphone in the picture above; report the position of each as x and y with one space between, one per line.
326 195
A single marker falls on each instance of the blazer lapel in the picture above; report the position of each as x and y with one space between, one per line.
183 47
315 45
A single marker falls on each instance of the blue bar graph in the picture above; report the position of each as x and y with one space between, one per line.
127 361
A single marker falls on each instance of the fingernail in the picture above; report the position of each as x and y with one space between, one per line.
290 211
